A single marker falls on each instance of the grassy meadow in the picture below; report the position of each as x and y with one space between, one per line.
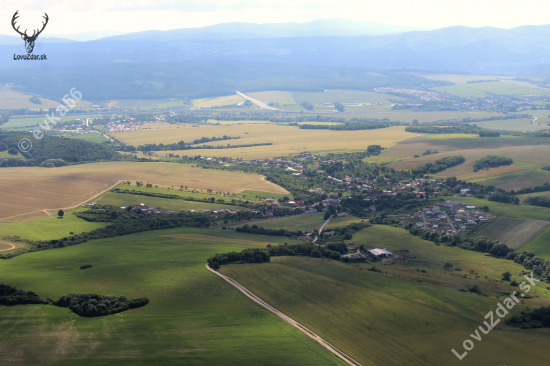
36 121
479 90
148 103
540 245
27 190
193 318
400 316
521 211
90 137
124 199
513 232
49 228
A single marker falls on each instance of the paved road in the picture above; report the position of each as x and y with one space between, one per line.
347 359
450 223
259 103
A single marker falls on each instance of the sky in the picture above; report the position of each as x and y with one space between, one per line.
126 16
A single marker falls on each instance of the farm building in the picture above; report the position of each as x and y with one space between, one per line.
381 253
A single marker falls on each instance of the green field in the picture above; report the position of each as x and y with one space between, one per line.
252 194
125 199
6 155
90 137
403 317
478 90
540 245
36 121
522 124
513 232
148 103
305 223
49 228
343 96
521 211
193 318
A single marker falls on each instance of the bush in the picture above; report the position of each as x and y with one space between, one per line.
86 266
12 151
474 289
506 276
316 254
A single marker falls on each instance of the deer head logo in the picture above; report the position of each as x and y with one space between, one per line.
29 40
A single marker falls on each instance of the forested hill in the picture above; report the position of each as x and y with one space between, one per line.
52 151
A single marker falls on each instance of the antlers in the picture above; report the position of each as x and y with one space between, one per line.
34 34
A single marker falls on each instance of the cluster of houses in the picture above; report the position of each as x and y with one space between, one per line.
450 217
127 125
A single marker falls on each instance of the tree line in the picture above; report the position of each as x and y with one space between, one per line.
491 161
70 151
438 165
86 305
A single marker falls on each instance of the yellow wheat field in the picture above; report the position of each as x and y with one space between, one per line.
286 140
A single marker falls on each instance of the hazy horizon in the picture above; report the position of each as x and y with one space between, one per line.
69 18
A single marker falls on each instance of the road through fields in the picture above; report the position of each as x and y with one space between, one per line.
347 359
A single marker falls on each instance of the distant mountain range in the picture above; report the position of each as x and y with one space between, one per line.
280 55
237 30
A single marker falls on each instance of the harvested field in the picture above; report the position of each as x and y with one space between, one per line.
24 192
513 232
286 140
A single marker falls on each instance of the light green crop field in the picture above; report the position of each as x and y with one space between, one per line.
341 221
343 96
511 231
90 137
400 316
36 121
305 223
521 211
485 89
217 101
176 191
124 199
253 194
148 103
540 245
281 97
193 318
49 228
6 155
536 194
522 124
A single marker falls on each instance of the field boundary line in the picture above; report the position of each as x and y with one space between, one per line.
66 208
323 342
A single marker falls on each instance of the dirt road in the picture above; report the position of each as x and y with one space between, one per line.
347 359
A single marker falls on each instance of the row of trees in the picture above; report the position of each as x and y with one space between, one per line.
537 201
92 305
438 165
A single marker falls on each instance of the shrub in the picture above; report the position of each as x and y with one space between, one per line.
474 289
86 266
